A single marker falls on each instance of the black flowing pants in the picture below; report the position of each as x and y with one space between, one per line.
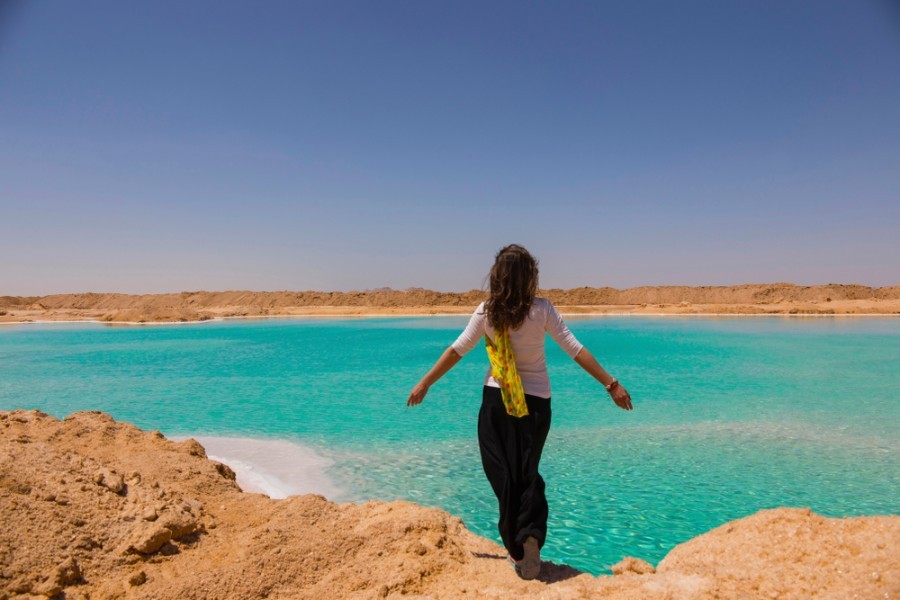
510 453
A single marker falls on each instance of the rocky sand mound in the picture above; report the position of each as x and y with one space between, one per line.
90 507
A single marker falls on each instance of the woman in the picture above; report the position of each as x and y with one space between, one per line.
515 413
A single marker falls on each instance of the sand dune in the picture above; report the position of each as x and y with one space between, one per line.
778 298
90 507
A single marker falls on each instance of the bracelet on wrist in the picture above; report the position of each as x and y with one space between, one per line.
612 385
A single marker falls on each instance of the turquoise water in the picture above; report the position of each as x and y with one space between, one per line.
732 415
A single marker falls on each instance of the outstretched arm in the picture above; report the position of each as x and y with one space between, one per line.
446 362
619 394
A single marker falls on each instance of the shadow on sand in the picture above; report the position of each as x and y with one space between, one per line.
550 572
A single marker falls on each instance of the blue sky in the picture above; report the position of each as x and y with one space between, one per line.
166 146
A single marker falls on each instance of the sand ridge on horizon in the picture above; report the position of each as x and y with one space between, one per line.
748 299
126 513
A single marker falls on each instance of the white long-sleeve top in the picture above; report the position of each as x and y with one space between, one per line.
527 343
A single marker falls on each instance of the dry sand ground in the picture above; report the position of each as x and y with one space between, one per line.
90 507
779 298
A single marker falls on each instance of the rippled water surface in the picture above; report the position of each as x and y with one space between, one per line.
732 415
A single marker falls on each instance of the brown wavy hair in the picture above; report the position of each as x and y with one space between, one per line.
513 281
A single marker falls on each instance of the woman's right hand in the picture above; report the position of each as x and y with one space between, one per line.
619 394
417 395
621 397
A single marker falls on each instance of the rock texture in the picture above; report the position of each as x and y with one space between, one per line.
777 298
90 507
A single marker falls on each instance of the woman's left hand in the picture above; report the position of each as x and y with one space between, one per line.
417 395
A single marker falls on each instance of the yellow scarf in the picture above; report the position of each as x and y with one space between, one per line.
503 370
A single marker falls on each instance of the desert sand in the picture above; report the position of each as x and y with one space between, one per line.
91 507
749 299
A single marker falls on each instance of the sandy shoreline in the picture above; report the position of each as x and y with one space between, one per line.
140 516
742 300
275 467
734 315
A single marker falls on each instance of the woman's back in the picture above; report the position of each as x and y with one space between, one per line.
527 342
